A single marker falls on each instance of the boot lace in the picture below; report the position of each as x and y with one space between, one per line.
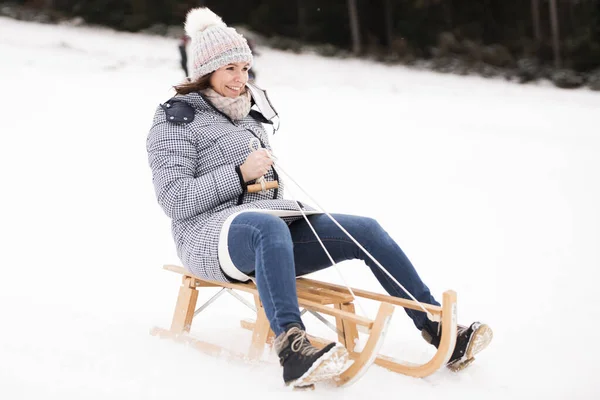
300 343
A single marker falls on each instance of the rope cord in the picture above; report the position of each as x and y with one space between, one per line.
429 315
333 263
279 169
254 146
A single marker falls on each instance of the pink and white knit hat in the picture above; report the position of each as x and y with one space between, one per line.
213 43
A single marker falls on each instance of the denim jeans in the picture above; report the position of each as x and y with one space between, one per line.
274 253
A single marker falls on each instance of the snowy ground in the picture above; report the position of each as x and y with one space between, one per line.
491 188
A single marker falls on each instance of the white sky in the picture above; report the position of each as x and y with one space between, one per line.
491 189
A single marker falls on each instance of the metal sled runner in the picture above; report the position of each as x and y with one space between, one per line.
317 298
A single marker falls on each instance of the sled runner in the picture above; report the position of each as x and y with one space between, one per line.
318 298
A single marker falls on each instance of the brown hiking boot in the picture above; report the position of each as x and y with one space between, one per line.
303 364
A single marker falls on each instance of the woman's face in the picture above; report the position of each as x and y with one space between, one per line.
230 80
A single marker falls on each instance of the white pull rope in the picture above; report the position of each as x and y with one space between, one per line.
333 263
254 146
279 168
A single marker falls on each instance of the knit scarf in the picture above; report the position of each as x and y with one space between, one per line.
234 107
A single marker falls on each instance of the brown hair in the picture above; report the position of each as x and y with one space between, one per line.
194 86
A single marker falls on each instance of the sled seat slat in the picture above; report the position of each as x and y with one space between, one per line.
319 290
329 290
314 299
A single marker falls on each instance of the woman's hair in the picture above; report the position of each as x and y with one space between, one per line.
195 86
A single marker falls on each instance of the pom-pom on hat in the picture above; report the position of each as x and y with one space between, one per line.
213 44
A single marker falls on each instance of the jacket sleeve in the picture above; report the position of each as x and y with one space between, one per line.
173 158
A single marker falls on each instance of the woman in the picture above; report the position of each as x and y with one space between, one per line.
200 152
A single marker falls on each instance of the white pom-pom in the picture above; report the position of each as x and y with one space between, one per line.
198 19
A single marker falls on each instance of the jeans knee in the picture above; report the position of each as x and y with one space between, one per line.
270 228
367 226
366 230
371 224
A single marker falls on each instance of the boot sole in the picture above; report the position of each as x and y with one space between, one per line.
481 338
329 366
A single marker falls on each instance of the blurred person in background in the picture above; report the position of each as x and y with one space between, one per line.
183 58
200 149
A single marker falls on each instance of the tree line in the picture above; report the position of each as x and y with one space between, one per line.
557 33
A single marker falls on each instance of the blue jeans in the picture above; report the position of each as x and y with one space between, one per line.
264 246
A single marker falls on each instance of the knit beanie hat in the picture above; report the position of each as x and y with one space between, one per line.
213 43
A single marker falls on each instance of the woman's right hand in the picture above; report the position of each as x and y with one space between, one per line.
256 165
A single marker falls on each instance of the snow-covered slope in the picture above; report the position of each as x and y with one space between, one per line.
491 189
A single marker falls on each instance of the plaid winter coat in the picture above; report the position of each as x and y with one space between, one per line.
193 153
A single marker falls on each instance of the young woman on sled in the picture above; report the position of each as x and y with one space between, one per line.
203 155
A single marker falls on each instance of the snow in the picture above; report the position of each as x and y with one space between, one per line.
491 189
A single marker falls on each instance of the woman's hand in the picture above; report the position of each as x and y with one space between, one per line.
256 165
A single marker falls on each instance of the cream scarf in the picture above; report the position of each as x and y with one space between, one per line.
234 107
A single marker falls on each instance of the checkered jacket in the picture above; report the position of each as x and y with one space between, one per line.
196 184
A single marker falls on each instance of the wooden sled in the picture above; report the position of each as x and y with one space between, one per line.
316 298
